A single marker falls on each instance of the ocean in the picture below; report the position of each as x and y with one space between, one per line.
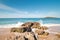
7 22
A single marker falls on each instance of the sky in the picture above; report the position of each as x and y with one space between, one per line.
29 8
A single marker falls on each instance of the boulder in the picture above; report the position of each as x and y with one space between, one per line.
20 30
36 25
19 38
27 24
30 36
31 24
27 29
43 27
46 34
39 32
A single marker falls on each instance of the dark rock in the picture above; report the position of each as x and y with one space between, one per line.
46 33
44 28
28 24
40 32
28 29
21 30
25 38
17 30
36 25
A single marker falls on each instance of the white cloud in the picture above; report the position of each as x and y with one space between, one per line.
18 13
24 14
5 7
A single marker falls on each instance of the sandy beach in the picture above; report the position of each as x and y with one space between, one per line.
5 32
53 28
51 25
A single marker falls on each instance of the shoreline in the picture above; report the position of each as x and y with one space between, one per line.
47 25
39 33
51 25
18 24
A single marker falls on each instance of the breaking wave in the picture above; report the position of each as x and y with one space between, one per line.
11 25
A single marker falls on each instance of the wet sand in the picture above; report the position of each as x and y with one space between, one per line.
53 28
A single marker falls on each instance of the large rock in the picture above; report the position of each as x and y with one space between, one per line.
31 24
17 30
30 36
39 32
43 28
19 38
27 27
21 30
27 24
46 34
36 25
30 31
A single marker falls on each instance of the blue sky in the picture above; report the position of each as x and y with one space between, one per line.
29 8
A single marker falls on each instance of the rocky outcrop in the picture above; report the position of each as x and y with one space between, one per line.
31 24
28 34
36 25
40 32
20 30
43 28
29 31
28 24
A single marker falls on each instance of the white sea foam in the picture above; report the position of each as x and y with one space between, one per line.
50 25
41 22
11 25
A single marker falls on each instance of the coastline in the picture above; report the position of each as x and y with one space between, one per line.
6 31
17 26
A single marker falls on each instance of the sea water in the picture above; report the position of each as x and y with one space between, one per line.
9 22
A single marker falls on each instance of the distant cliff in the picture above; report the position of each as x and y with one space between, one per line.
50 17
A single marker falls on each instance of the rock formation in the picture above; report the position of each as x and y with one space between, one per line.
27 31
